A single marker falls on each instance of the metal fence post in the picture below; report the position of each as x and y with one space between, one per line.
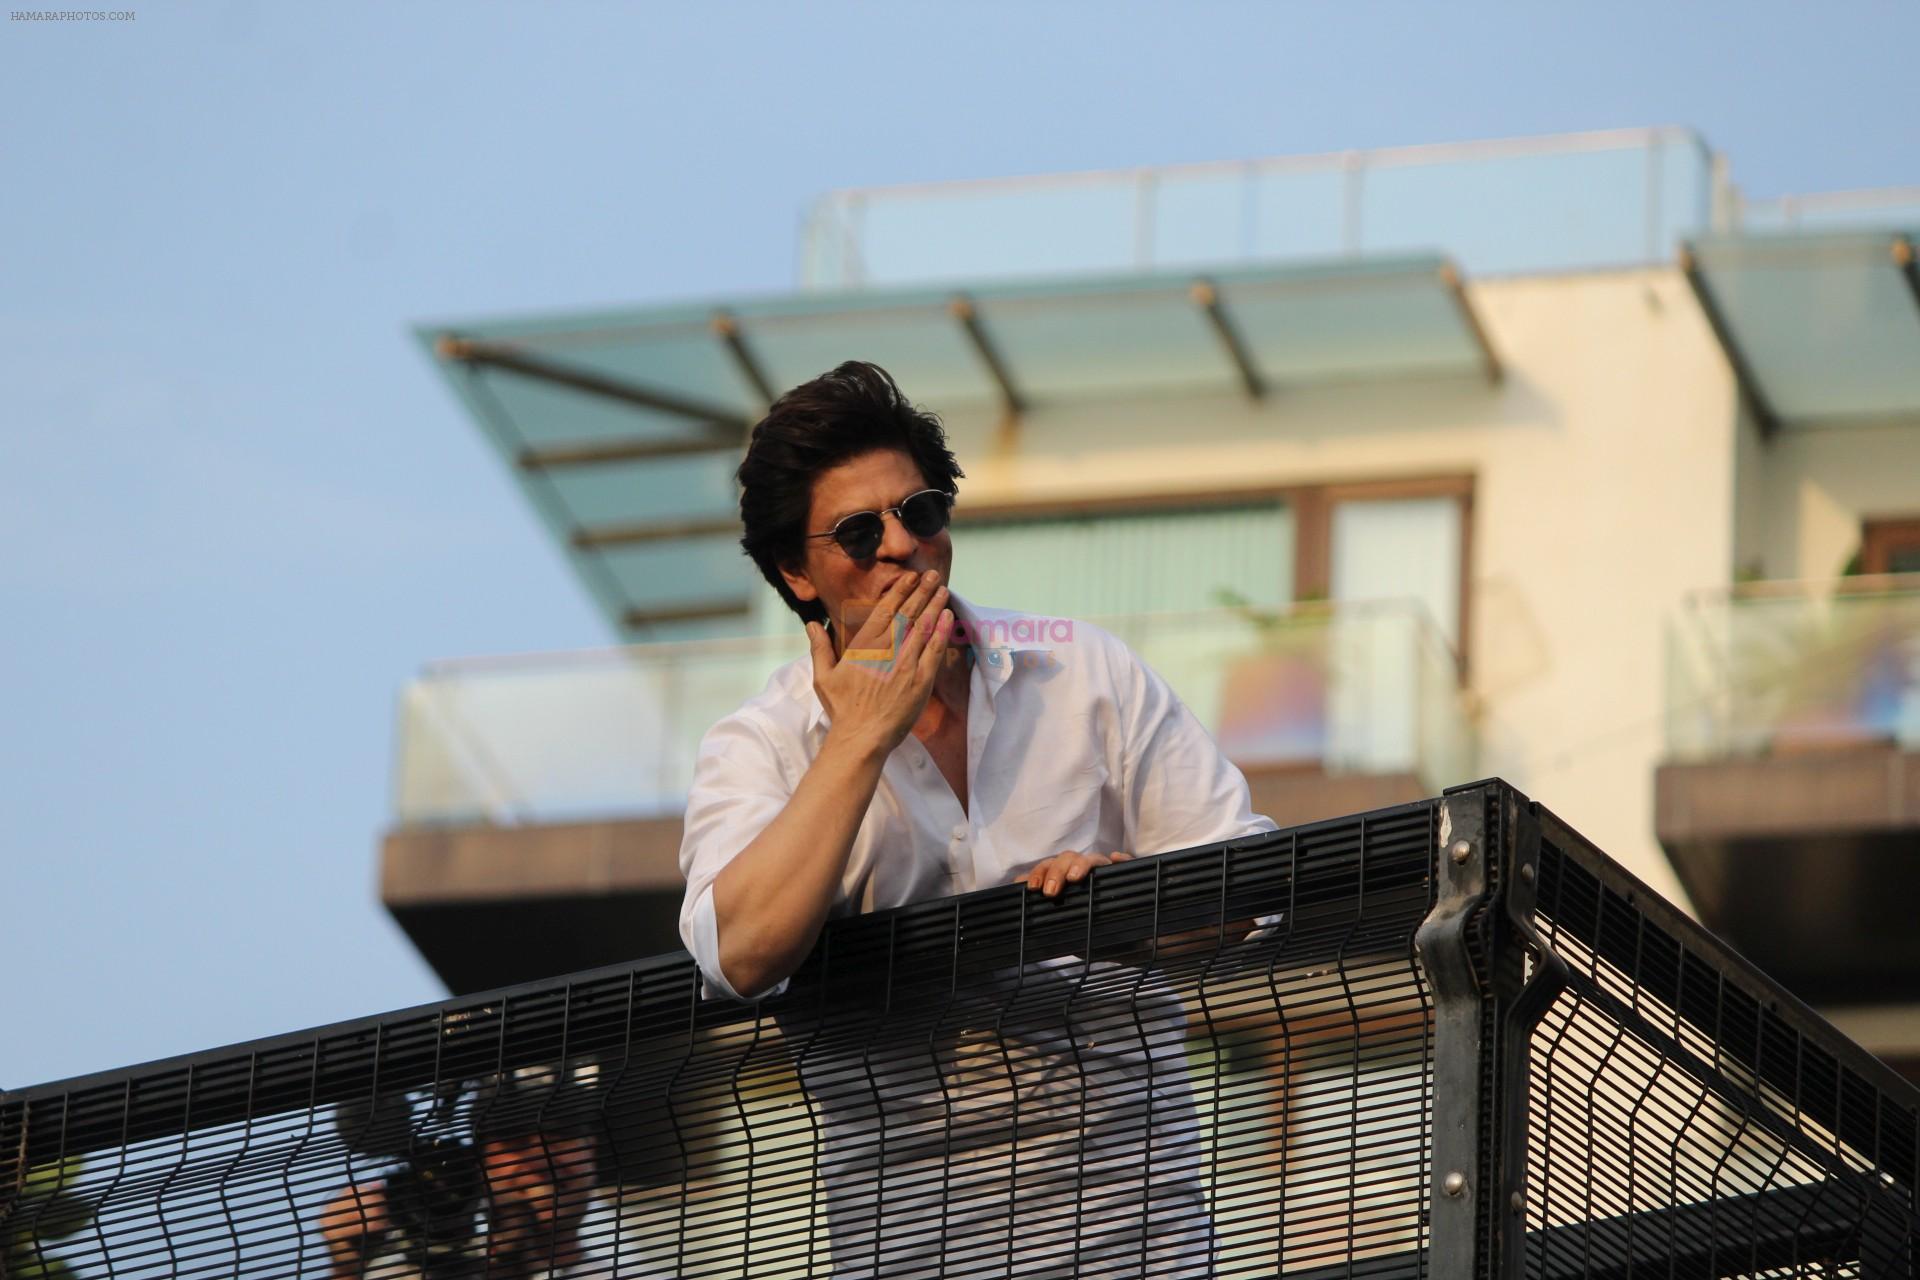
1492 981
1444 945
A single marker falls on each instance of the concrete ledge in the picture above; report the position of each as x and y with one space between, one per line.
488 906
1805 862
1863 789
421 865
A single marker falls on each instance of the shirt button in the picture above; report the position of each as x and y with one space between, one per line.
960 832
919 762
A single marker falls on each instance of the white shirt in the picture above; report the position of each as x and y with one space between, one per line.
1072 743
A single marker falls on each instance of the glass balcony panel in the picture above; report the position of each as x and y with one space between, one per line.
615 733
1566 203
1877 210
1582 206
1302 213
1795 671
998 230
1682 202
1201 217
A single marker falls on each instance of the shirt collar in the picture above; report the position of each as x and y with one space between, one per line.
994 653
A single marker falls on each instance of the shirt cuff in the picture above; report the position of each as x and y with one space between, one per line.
705 942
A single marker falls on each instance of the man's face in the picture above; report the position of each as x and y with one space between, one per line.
826 573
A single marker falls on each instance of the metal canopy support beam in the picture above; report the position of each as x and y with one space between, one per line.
1457 287
963 310
1206 296
641 619
727 327
503 356
618 535
1743 376
594 452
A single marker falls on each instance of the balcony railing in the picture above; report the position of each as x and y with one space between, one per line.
1349 689
1566 202
1872 208
1464 1044
1779 668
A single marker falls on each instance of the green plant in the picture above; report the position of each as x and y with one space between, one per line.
45 1211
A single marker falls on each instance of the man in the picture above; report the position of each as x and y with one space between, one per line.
917 752
534 1190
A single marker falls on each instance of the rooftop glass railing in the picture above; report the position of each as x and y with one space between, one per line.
570 737
1875 209
1564 202
1780 668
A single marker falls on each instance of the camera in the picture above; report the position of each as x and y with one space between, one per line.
431 1203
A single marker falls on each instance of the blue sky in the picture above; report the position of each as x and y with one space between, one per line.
237 511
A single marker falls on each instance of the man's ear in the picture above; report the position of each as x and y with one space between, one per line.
798 582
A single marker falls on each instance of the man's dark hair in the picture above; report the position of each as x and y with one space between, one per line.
815 427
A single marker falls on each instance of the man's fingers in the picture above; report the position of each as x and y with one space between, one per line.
822 647
895 598
872 633
916 602
930 640
1067 867
920 612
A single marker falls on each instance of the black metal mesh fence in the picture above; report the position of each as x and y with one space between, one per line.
1116 1083
1232 1061
1686 1116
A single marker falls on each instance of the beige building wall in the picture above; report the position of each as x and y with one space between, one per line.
1604 468
1820 483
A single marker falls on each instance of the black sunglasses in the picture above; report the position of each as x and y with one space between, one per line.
924 514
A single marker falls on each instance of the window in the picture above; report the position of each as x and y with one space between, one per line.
1890 545
1348 543
1121 562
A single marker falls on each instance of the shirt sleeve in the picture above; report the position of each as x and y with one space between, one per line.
1180 790
739 787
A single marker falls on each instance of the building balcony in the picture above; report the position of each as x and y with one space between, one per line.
1790 799
538 799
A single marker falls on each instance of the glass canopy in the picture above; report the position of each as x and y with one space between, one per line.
1822 327
624 426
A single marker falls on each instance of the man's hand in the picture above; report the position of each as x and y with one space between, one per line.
1068 867
771 899
879 685
1065 868
538 1191
351 1219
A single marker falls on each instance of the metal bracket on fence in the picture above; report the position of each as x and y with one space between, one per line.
1444 947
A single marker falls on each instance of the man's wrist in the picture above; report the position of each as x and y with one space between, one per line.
861 746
